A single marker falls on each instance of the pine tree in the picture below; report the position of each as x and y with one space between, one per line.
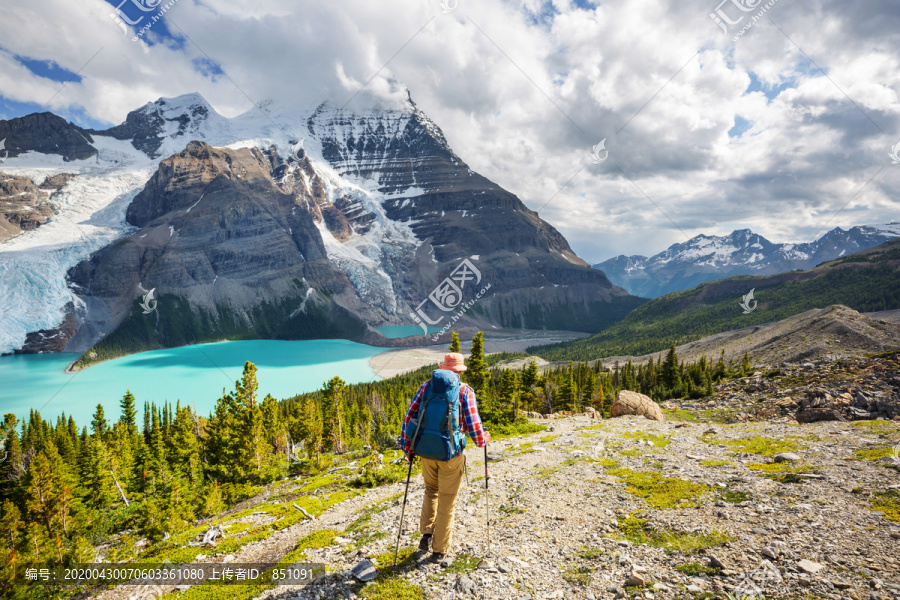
587 392
333 408
669 375
97 478
477 374
567 392
98 423
508 394
48 497
311 427
746 366
129 413
454 342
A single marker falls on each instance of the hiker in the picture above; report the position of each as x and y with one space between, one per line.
439 442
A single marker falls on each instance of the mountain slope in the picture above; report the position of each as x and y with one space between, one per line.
371 209
868 281
707 258
835 331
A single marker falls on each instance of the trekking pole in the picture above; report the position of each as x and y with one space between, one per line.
403 510
487 502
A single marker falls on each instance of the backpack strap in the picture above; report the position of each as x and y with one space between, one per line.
422 405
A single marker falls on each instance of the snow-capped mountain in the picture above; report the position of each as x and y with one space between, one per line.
277 223
742 252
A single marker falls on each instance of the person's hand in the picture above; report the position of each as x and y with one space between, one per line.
487 437
410 456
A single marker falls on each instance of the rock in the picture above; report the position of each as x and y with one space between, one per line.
464 585
809 566
840 584
769 553
786 457
591 412
364 571
812 415
533 415
636 579
716 562
633 403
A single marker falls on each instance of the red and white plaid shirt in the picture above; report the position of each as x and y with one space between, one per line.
471 422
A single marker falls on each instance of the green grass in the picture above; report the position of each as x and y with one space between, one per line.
578 575
873 453
889 504
680 415
285 515
632 452
694 569
390 583
386 475
734 497
591 553
758 444
636 531
508 430
785 472
659 491
876 427
548 438
463 563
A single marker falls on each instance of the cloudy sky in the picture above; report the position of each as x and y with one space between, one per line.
786 130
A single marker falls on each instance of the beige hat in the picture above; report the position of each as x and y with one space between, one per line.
453 361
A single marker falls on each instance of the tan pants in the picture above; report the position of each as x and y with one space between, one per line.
442 480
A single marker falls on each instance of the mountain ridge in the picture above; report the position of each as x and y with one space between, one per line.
391 207
707 258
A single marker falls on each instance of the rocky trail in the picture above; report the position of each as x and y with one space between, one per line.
691 507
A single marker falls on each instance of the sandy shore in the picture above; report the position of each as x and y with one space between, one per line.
394 362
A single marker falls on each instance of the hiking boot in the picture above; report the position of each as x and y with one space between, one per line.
423 543
436 557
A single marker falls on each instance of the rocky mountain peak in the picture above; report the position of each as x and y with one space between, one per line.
164 126
46 133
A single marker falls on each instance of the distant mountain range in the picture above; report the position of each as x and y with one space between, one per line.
742 252
278 223
866 281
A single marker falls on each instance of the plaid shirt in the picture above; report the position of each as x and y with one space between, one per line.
471 422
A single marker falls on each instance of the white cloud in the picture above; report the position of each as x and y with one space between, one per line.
806 153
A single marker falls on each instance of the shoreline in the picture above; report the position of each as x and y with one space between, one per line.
397 361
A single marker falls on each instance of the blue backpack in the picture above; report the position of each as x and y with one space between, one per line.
436 432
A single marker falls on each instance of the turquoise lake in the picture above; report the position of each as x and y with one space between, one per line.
191 374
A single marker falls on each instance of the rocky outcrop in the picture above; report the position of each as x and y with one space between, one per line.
633 403
229 253
25 206
46 133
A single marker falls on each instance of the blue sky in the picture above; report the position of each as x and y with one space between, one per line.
703 133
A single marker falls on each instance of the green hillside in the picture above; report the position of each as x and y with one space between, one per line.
867 281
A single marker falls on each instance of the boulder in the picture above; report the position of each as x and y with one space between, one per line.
811 415
533 415
591 412
632 403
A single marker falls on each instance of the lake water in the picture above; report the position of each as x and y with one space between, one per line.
195 373
402 331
